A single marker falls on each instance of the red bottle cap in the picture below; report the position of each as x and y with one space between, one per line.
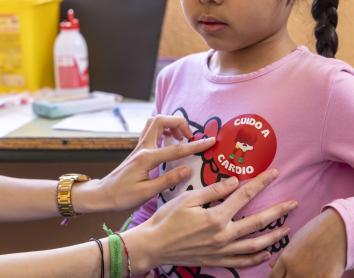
72 23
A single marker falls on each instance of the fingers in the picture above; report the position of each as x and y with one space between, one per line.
174 152
177 133
253 245
146 128
239 261
169 179
246 193
213 192
178 126
259 221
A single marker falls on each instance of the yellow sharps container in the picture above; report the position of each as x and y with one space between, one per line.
28 29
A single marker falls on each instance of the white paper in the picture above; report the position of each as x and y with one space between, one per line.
135 114
103 121
15 117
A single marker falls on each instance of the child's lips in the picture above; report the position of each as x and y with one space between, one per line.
212 27
211 24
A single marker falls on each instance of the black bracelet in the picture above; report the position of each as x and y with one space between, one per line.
99 243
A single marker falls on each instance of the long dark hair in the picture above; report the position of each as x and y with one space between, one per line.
326 16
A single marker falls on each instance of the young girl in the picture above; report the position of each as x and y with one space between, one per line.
269 103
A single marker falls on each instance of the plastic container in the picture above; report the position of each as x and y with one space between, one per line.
28 29
71 58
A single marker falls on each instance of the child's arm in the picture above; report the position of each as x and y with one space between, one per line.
338 145
345 207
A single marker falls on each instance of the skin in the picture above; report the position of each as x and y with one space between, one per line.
209 237
318 249
130 179
255 35
255 31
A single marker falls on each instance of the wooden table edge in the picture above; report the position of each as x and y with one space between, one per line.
68 143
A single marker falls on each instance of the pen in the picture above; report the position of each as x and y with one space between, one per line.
118 114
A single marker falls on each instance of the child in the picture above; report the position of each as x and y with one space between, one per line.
269 104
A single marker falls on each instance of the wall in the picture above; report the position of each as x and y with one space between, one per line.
178 39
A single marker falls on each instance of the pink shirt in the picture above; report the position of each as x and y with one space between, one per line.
296 115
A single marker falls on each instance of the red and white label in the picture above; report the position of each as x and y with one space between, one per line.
72 72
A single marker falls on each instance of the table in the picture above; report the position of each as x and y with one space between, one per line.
37 141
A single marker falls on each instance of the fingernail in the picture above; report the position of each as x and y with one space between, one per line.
286 231
185 172
293 204
271 176
267 256
232 181
209 140
274 173
191 135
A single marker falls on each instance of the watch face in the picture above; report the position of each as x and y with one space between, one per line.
75 177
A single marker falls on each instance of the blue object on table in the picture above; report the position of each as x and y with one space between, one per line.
118 113
57 109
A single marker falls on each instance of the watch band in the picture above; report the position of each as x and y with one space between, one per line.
64 196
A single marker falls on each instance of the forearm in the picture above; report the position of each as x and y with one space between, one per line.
23 199
27 199
345 208
83 260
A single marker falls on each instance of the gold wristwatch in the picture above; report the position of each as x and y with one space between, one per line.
64 199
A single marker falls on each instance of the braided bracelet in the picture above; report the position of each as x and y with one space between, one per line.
99 243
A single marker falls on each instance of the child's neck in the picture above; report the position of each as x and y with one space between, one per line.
253 57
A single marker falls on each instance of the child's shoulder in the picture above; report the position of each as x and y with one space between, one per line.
319 65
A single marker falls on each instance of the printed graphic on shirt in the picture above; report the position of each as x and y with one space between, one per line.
245 147
245 141
195 272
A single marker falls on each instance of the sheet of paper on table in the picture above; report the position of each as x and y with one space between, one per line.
134 113
12 118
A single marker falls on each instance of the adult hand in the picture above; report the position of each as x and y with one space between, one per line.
183 233
317 250
129 185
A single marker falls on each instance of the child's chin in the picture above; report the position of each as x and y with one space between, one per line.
219 45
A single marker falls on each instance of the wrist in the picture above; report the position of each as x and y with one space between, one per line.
141 245
87 197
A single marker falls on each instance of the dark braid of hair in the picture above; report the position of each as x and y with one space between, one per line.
325 14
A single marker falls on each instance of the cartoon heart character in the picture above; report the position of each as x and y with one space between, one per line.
244 142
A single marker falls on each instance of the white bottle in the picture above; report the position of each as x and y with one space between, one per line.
71 59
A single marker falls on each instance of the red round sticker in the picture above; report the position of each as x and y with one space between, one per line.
245 147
